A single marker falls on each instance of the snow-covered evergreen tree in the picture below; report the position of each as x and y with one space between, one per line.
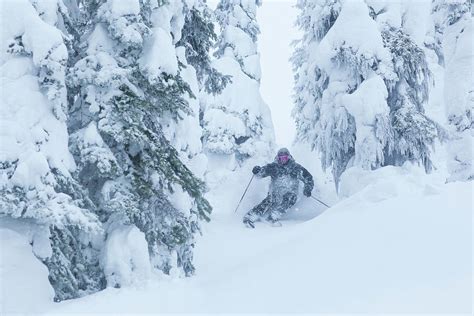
193 35
454 36
237 123
414 132
128 82
198 37
37 169
360 87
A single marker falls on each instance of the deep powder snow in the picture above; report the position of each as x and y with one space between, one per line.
404 247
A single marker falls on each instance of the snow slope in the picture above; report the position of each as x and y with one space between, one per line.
400 243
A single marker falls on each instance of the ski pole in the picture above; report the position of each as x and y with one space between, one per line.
244 193
320 201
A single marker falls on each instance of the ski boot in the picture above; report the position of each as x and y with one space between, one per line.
248 223
274 219
275 222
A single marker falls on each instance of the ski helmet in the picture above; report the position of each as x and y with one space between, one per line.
283 155
283 151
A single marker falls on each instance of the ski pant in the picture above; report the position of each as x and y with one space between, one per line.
271 208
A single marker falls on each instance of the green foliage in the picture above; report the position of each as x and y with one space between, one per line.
156 153
414 133
165 96
406 134
198 37
411 67
74 268
132 131
127 170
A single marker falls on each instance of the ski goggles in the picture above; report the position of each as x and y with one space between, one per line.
283 158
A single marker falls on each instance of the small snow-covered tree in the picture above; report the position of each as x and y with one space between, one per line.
237 122
359 99
454 33
198 37
37 181
128 82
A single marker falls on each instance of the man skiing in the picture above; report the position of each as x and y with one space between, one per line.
285 175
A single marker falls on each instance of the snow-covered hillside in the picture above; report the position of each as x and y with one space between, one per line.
401 243
129 130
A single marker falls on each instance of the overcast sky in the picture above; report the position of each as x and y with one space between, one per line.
276 19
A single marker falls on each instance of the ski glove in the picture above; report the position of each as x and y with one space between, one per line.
256 169
307 191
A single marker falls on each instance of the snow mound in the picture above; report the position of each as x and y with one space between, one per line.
387 182
23 278
126 260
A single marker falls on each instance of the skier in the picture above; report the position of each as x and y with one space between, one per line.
285 175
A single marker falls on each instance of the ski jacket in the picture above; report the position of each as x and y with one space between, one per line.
285 177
